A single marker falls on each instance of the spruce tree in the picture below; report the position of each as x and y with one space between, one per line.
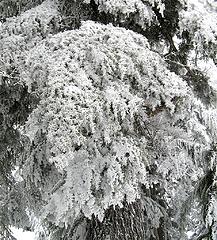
108 119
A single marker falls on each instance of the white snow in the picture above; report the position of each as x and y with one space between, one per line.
22 235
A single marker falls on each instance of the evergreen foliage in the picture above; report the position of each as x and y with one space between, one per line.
108 123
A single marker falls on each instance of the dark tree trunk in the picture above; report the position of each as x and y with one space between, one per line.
127 223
